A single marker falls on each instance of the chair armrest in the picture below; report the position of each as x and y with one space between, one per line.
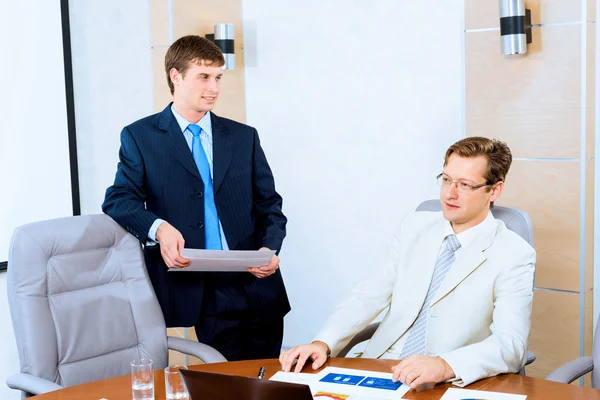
360 337
530 358
31 384
572 370
202 351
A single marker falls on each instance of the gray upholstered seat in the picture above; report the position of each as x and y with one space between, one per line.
82 305
516 220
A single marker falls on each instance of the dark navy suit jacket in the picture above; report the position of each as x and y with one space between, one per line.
158 178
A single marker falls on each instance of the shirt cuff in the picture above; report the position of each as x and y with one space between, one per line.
457 380
152 231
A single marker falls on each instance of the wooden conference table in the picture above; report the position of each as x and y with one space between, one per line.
119 388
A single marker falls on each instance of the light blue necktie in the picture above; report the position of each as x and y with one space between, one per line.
417 337
211 218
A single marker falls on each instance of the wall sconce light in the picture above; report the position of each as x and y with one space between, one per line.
223 38
515 27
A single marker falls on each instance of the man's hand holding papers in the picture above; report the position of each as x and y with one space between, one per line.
265 270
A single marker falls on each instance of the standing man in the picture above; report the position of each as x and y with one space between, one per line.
187 177
457 284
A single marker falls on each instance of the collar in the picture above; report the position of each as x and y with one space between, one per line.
205 123
466 238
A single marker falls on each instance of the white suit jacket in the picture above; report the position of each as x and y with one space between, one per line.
480 318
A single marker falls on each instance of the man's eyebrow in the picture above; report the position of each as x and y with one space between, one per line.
459 179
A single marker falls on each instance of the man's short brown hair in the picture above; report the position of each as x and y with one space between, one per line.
497 153
191 49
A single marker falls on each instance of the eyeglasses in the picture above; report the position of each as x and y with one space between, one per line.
445 182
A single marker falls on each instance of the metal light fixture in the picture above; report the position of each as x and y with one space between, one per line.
224 38
515 27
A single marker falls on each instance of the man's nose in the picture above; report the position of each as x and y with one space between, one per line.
452 190
213 86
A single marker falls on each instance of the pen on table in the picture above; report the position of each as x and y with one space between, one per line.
261 372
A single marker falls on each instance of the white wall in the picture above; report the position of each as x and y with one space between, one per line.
355 102
112 73
34 159
113 87
34 145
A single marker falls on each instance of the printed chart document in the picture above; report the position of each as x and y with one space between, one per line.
347 384
224 260
466 394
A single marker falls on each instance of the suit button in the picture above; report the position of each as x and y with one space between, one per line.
199 195
200 225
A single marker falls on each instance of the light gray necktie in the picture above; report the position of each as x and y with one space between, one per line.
415 344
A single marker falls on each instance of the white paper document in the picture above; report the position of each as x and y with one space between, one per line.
292 377
466 394
224 260
348 384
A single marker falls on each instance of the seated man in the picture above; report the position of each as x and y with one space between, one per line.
458 284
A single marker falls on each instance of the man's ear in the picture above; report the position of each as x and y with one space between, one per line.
175 76
497 190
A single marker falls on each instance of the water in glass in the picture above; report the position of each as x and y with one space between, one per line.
142 391
174 386
142 379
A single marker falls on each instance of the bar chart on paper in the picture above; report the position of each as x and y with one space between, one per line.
347 384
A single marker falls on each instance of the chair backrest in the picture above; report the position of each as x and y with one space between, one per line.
81 301
516 220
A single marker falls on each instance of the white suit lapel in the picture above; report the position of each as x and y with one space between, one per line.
467 261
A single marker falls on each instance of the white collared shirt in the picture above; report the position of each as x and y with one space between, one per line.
206 137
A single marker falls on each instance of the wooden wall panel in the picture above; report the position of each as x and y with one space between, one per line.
535 103
589 225
160 30
591 11
232 100
590 85
162 95
191 17
532 101
554 331
549 192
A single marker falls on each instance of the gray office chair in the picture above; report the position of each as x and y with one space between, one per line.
82 305
577 368
516 220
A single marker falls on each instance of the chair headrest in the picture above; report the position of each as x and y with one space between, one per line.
515 219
